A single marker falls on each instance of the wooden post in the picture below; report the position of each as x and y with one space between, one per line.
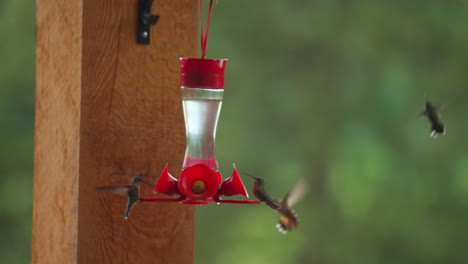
107 109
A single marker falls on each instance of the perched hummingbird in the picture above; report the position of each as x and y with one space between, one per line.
433 113
288 219
132 191
261 194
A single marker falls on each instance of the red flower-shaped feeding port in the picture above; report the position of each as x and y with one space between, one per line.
199 184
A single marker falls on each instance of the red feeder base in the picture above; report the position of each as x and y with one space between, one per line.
199 184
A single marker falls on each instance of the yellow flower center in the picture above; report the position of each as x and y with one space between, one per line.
198 186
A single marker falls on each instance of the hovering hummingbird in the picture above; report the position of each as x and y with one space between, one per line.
433 113
132 191
288 220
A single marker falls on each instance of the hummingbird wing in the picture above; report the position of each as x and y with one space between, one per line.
121 189
427 106
423 114
440 108
274 204
263 196
297 193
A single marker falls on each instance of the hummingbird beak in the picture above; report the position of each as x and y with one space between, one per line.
147 183
250 176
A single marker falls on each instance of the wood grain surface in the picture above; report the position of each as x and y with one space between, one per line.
107 109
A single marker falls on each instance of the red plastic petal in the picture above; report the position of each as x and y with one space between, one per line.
199 173
166 183
233 185
220 177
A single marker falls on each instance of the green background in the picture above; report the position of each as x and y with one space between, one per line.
328 90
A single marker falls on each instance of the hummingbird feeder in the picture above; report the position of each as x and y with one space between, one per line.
200 182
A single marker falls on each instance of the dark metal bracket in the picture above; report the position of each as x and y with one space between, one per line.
145 20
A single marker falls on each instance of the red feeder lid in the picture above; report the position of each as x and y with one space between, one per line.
197 72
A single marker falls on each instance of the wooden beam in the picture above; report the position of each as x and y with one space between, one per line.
108 109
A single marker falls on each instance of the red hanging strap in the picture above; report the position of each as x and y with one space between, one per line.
204 36
200 10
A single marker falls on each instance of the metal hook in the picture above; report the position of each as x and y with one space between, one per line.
145 20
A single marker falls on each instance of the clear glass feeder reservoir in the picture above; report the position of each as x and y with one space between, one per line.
202 84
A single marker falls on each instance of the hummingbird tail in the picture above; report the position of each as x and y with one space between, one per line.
129 207
127 212
287 222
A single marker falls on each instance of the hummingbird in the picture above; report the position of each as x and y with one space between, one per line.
288 220
261 194
132 191
433 114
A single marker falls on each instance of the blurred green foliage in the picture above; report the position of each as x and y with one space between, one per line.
329 90
16 129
